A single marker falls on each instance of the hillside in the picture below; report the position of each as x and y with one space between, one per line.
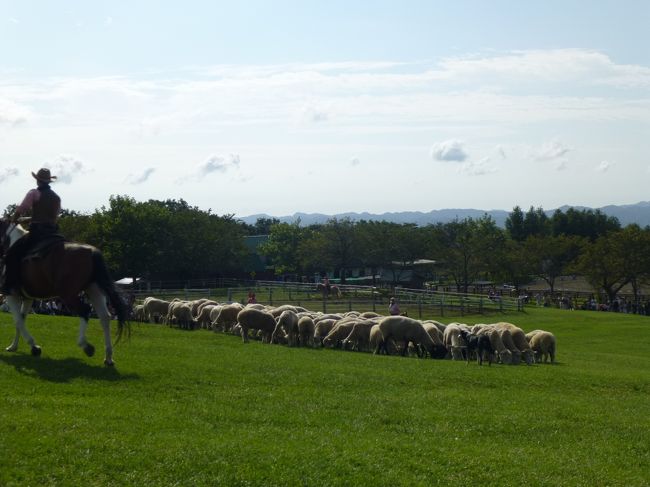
638 213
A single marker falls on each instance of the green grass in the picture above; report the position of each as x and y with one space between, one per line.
199 408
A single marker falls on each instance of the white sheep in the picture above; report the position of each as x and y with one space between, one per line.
359 336
306 330
227 317
519 340
543 345
155 309
287 324
453 341
404 330
255 319
338 333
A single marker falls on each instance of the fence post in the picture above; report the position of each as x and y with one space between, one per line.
270 295
324 303
349 305
420 306
374 307
229 297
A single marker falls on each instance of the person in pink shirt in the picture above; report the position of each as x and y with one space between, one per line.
45 206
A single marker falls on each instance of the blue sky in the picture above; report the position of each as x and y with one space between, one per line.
277 107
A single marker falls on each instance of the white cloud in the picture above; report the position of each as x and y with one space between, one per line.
449 150
500 150
141 177
604 166
108 21
8 173
478 168
14 20
66 168
12 113
213 164
550 151
355 161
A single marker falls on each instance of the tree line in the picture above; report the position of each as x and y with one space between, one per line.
171 239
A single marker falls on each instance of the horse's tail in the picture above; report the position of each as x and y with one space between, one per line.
106 284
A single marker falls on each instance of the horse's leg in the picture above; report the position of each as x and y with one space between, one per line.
98 299
18 308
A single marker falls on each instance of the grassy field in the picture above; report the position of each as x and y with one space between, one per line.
200 408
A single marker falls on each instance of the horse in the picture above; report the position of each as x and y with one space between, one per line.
334 289
65 270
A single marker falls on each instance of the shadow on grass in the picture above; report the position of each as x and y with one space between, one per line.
62 370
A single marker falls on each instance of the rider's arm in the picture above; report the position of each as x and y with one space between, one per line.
28 202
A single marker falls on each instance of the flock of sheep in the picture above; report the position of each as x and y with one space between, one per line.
296 326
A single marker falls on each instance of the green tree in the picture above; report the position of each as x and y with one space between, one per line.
282 247
552 256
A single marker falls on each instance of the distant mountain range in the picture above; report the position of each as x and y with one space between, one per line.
638 213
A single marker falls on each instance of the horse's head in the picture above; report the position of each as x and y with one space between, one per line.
9 233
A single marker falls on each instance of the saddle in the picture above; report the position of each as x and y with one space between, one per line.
41 248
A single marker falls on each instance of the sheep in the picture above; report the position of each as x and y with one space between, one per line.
505 355
214 312
453 341
519 340
405 330
531 334
506 339
322 329
338 333
359 336
206 302
227 317
255 306
285 307
543 345
369 314
155 309
479 344
194 305
306 330
203 318
439 325
287 323
181 313
139 313
436 335
251 318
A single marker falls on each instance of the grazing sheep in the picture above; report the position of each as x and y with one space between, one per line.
155 309
227 317
403 329
322 329
439 325
285 307
338 333
206 302
255 319
437 336
255 306
519 339
359 336
543 345
194 305
287 323
505 355
479 344
203 318
139 313
506 339
531 334
453 341
306 330
181 314
369 314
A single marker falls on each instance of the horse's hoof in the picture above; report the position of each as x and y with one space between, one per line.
109 363
89 350
11 348
36 351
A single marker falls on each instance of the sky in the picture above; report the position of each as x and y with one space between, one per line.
284 106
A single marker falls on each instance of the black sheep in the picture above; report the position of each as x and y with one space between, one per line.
479 344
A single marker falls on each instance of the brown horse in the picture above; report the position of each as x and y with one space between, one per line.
334 289
65 270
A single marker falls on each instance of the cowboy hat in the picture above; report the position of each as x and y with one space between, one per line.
44 175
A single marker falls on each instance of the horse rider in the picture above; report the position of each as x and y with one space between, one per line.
45 206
